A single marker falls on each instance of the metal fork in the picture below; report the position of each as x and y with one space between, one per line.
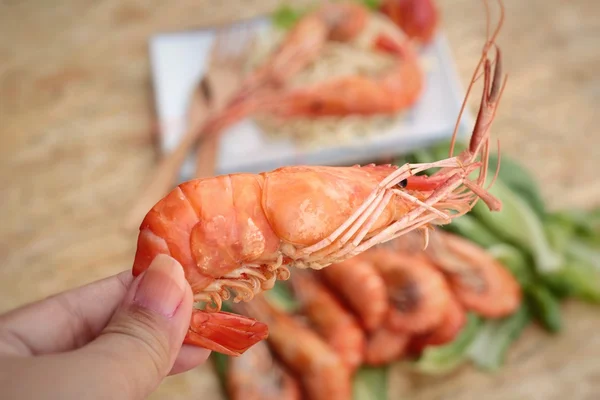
210 95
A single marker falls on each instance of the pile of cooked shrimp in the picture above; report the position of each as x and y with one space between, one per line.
466 296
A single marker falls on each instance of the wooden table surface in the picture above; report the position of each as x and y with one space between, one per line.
75 149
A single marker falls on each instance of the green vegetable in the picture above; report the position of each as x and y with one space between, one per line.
519 180
370 383
514 260
585 224
494 337
581 251
470 227
559 233
544 306
518 224
574 234
444 359
371 4
576 279
286 17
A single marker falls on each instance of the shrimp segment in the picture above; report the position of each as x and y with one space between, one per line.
256 375
478 280
359 284
385 346
239 233
454 320
331 320
418 292
322 372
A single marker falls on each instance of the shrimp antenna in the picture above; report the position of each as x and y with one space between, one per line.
489 41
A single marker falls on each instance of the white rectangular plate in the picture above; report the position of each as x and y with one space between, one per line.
178 62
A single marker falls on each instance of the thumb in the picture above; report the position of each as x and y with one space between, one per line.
146 332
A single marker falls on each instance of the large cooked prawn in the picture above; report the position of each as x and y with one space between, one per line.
241 232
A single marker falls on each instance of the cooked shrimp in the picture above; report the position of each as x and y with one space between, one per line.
359 284
330 318
321 371
256 375
478 280
453 321
385 346
418 292
241 232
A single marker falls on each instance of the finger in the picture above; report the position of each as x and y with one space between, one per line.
139 346
65 321
189 357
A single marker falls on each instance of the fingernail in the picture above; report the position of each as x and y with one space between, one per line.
162 287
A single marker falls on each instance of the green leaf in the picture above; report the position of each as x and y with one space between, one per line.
544 306
576 279
519 225
471 228
444 359
371 4
488 350
581 251
514 260
285 17
580 222
370 383
516 177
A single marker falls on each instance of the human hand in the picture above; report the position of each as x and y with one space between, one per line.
116 338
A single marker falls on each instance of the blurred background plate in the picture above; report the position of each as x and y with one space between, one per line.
179 59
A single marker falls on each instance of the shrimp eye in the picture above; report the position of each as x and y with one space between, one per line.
402 184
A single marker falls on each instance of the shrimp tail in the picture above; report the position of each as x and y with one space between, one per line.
224 332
